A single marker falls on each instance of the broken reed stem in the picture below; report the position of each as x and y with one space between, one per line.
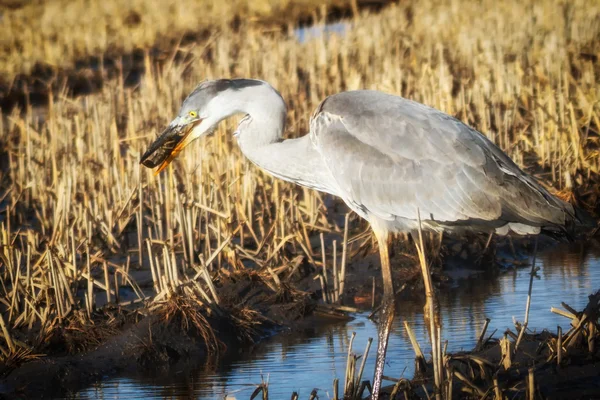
115 278
559 346
155 280
106 283
528 304
344 254
449 380
373 295
413 341
323 288
363 362
505 350
6 335
430 304
482 334
336 294
347 378
497 391
336 389
440 358
323 260
562 313
530 385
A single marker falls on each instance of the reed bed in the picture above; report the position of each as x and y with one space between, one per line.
47 36
80 219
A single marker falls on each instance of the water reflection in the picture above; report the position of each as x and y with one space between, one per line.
313 360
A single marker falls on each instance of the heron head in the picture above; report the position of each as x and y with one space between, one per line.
202 110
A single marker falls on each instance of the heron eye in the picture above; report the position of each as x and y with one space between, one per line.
193 114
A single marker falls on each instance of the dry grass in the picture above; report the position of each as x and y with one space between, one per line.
190 316
78 215
57 33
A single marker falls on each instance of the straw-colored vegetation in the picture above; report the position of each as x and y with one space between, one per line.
57 33
80 218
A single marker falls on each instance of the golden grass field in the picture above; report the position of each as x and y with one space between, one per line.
78 214
57 33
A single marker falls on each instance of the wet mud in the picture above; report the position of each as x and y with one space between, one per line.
157 338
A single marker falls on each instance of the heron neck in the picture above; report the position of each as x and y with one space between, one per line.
260 139
293 160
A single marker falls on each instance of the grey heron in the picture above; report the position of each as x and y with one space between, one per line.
389 158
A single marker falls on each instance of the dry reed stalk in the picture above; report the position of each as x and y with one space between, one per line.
558 346
336 278
324 262
480 341
562 313
585 318
506 353
347 376
530 384
434 328
106 283
323 288
336 388
362 364
6 334
497 392
373 296
344 254
415 344
449 380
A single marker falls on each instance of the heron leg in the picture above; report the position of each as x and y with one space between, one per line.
387 312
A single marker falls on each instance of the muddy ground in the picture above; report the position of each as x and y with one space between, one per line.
159 336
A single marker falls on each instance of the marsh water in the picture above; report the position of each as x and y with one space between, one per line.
303 362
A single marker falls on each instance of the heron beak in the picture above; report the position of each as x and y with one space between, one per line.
168 145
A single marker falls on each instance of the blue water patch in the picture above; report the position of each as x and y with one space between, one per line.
304 34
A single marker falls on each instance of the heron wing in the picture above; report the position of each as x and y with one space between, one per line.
391 156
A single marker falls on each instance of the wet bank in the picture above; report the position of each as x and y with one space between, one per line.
158 336
302 361
300 346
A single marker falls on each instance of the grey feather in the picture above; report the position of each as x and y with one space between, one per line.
391 157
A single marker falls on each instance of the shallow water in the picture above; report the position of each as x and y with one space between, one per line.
303 362
304 34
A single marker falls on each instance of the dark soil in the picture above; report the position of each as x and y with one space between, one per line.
153 342
126 341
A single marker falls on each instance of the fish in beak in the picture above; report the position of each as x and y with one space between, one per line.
168 145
